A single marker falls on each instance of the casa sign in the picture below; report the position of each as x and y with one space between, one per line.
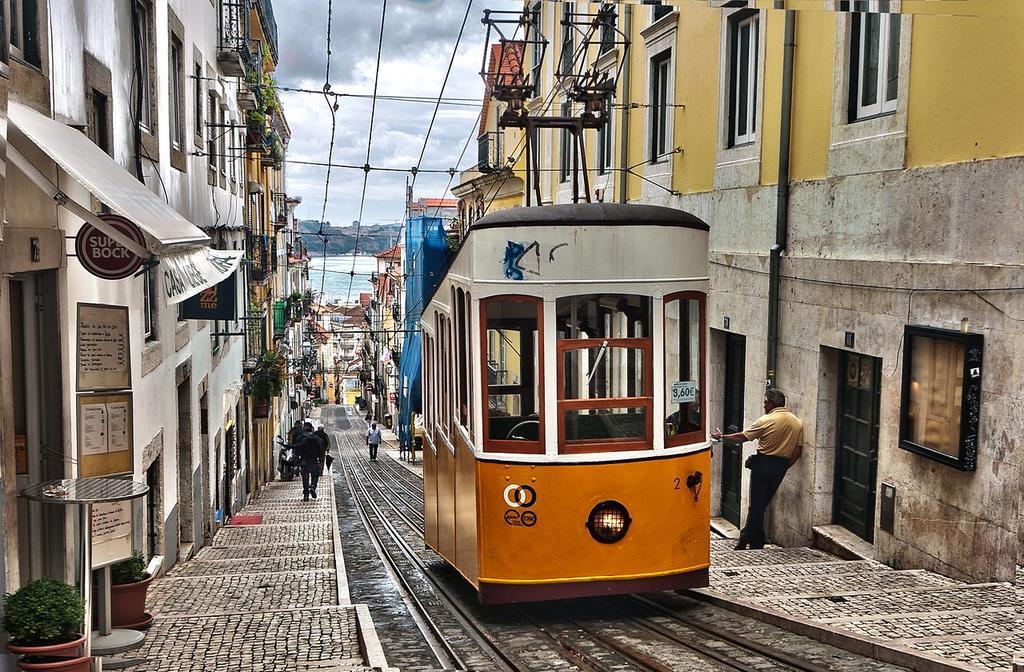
103 256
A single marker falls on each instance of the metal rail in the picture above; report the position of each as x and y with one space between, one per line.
482 636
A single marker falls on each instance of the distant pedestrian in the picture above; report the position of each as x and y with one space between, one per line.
325 438
373 440
295 432
417 434
311 459
780 442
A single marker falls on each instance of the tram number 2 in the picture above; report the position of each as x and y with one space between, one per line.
675 483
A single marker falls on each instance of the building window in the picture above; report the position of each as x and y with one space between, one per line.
536 48
941 395
197 92
212 131
874 63
23 19
565 147
607 27
743 39
684 367
605 152
659 120
177 101
98 130
149 306
222 146
659 11
513 396
605 386
143 27
568 46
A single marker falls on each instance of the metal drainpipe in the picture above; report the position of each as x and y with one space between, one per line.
782 204
627 30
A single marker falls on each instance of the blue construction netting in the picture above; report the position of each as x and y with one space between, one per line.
426 259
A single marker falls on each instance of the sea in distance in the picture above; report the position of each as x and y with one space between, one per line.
334 273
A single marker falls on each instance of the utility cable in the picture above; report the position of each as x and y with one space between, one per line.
369 146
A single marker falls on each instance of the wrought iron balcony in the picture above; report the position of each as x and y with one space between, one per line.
234 52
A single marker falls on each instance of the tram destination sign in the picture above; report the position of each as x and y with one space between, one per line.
103 256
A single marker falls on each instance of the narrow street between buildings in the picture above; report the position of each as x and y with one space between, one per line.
265 595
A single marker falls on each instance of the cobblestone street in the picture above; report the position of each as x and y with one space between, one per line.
261 597
869 608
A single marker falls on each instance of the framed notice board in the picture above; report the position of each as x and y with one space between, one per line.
103 356
105 431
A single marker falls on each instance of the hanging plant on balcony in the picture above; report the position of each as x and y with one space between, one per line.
256 128
267 381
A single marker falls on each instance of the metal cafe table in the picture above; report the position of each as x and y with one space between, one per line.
85 492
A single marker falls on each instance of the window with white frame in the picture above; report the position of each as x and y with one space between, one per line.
608 27
536 48
874 62
659 119
605 152
565 147
568 47
743 39
149 305
145 90
177 98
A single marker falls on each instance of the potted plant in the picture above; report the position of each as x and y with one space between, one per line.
267 381
42 620
129 584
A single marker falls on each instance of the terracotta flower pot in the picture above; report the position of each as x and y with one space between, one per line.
70 649
79 664
128 605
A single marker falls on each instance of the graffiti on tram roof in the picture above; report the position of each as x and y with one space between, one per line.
526 257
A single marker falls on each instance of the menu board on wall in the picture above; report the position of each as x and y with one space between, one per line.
103 359
111 533
105 433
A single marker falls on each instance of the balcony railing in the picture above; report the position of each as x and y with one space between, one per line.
280 200
489 152
233 48
258 258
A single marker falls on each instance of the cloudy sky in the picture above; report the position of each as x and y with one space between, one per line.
419 36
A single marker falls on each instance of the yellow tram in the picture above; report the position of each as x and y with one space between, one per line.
566 447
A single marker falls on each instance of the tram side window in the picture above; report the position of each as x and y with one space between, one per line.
461 326
605 384
428 382
684 369
444 366
512 360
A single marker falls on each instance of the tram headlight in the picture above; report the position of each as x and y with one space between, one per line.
608 522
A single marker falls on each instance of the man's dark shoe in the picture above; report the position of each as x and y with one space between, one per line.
305 498
313 494
743 543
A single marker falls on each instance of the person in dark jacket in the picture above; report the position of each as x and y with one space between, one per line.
311 453
295 433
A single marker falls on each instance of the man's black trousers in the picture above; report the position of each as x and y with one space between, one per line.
766 474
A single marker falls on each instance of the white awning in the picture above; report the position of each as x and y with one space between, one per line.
187 262
107 180
187 273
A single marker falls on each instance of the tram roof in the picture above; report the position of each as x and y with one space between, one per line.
591 214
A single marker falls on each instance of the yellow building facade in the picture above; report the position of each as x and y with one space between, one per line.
894 127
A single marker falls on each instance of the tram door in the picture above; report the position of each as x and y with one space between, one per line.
853 505
732 421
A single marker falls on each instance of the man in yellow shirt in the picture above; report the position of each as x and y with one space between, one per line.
780 442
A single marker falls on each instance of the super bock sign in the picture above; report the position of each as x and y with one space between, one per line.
103 256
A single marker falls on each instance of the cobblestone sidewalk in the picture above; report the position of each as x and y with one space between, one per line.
261 597
914 618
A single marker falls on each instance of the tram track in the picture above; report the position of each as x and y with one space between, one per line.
643 633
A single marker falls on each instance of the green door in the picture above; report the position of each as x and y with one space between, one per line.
732 421
853 504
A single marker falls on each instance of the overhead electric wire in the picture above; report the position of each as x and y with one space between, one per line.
369 146
454 102
333 107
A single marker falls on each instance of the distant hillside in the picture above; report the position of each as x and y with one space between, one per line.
373 238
